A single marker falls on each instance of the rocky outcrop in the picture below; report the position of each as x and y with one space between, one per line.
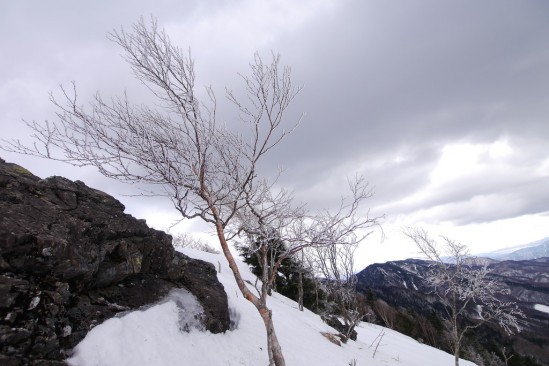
70 258
337 324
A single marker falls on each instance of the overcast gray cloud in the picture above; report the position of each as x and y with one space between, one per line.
442 105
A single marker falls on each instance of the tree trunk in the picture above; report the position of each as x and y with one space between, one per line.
300 291
316 294
273 284
275 351
300 284
276 357
248 295
457 340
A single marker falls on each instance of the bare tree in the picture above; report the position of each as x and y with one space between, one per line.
428 331
186 240
460 285
386 313
341 230
335 264
308 262
209 170
506 357
301 270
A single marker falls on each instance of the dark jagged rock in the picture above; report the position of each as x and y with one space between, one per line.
70 258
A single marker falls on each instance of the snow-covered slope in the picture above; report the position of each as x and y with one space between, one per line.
534 250
168 334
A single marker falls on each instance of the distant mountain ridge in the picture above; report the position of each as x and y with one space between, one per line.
398 294
534 250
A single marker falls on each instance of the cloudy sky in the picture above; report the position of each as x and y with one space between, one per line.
442 105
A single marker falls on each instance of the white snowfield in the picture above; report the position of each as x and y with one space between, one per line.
542 308
165 335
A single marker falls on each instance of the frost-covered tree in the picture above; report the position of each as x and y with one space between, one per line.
186 240
208 169
335 264
463 287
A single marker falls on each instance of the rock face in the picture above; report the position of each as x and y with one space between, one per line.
70 258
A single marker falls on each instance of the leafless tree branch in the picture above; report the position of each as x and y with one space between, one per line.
461 286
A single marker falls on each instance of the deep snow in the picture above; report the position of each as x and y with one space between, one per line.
168 334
